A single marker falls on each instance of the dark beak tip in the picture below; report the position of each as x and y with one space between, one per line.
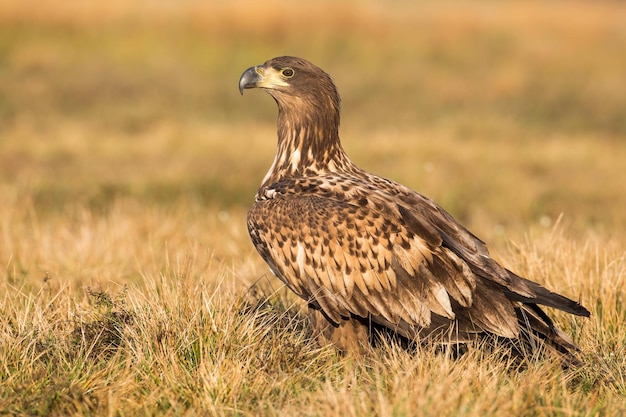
248 79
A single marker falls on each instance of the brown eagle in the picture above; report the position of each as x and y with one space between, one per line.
365 252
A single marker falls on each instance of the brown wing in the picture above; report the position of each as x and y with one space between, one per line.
375 259
419 213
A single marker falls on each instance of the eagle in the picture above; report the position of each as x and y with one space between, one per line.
368 253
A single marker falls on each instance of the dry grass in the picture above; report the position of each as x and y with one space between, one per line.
127 161
133 313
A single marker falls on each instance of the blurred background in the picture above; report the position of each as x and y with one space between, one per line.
505 113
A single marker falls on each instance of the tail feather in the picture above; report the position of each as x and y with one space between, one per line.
535 330
548 298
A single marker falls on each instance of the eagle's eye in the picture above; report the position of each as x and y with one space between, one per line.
287 72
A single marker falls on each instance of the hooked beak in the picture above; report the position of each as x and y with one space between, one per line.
250 78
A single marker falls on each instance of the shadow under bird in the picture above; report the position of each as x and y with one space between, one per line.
366 252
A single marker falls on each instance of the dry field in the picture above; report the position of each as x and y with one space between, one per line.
128 284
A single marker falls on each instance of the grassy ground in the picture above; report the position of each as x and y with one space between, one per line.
128 159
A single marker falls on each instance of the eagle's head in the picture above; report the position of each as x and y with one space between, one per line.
308 116
292 82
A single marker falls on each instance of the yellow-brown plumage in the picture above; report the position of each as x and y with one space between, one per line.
364 251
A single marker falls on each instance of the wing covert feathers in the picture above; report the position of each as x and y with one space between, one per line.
378 258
